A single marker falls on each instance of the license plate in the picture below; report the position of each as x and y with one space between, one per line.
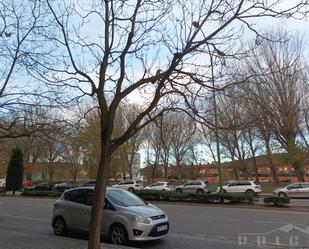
162 228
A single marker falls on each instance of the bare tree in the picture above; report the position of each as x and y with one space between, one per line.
183 129
278 74
146 48
20 22
232 137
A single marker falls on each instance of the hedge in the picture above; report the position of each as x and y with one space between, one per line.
42 193
193 198
169 196
276 201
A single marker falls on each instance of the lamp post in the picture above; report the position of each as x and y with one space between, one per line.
216 121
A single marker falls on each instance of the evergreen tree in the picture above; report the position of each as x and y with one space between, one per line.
15 171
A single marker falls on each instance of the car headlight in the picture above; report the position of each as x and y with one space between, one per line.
140 219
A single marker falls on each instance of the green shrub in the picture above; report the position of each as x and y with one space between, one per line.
276 201
41 193
194 198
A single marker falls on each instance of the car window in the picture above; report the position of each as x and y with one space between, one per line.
305 185
124 198
295 186
244 183
232 184
82 196
196 183
139 182
160 183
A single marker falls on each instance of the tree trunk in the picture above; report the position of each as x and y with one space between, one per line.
165 172
256 169
178 165
272 166
98 201
235 169
299 173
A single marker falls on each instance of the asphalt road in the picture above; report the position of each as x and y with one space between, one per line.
25 224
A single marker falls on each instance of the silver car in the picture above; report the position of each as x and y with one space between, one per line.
162 186
125 215
298 189
196 186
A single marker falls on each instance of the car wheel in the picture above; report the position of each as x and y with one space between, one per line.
200 191
118 235
282 194
250 192
179 191
131 190
60 227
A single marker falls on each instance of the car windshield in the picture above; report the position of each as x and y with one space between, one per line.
124 198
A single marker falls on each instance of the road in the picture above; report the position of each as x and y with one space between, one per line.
25 224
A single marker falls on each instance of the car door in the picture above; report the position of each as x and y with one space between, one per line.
127 184
294 190
78 210
232 187
107 217
194 186
186 187
155 186
305 190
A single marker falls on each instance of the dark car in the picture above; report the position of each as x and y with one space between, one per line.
42 187
90 183
61 187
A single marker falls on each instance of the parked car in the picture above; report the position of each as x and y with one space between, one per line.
42 187
196 186
125 215
90 183
298 189
163 186
61 187
246 187
27 183
130 185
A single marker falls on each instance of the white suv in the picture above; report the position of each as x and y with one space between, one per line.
163 186
130 185
246 187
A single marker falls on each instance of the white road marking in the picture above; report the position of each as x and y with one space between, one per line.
24 217
278 222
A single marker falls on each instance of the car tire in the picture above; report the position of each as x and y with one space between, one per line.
60 226
118 235
250 192
131 190
200 191
179 191
282 194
